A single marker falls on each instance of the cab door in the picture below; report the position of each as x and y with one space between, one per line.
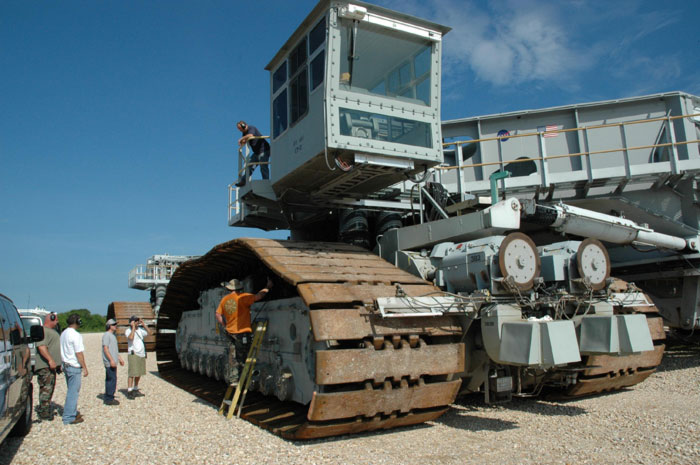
19 360
5 368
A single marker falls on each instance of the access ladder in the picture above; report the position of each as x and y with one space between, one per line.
241 387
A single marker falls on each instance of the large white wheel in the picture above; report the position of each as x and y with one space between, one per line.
593 262
519 261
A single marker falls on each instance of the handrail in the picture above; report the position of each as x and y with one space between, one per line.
568 155
585 128
234 201
244 158
234 206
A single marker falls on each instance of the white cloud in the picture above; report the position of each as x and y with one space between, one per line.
643 25
492 61
538 44
519 43
651 72
504 42
506 54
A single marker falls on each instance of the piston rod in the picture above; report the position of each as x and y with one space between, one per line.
581 222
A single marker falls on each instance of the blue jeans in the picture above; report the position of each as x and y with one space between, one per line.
260 158
74 378
110 383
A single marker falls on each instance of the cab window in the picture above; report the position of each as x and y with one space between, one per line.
387 63
6 324
15 325
28 322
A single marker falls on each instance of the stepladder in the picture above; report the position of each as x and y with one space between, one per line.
236 391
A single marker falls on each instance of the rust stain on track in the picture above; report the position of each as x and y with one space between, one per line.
337 282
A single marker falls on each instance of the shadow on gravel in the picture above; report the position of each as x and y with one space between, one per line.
543 407
459 417
355 436
8 449
682 352
197 400
125 392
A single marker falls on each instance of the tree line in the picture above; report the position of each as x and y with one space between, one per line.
91 323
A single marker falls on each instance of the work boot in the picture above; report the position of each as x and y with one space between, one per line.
232 374
76 421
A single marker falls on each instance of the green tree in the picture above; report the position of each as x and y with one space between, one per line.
91 323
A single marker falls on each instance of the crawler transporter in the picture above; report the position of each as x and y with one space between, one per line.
418 270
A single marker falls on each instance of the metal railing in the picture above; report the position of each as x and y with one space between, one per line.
234 203
244 159
234 206
151 274
676 165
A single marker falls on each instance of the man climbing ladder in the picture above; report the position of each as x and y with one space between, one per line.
233 312
246 375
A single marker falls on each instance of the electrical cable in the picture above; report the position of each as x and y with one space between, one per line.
343 166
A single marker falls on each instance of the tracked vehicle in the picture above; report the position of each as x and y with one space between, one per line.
399 289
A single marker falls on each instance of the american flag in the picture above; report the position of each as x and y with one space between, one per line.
550 130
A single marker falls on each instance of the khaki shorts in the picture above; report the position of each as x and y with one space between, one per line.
137 365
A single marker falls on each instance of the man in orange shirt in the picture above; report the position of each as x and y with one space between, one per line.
233 312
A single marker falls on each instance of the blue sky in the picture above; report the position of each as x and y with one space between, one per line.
117 129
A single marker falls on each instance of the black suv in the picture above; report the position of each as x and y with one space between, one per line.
15 371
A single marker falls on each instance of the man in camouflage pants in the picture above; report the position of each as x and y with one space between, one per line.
48 361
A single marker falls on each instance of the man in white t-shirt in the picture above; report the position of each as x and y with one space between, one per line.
72 349
135 334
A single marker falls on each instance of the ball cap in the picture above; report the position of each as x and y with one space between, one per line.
111 322
133 318
234 285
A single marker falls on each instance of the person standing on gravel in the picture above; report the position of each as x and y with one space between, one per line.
233 313
110 355
135 334
48 364
72 353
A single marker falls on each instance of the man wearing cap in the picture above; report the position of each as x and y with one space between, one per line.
233 312
48 364
110 355
72 353
135 335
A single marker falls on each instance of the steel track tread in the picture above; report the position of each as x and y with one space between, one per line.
604 373
336 280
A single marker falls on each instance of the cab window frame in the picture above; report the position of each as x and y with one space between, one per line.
318 37
304 73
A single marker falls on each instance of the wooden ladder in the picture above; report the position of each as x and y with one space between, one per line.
229 404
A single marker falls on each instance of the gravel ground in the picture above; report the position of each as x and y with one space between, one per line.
655 422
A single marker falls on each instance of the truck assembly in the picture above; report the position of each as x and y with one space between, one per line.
418 269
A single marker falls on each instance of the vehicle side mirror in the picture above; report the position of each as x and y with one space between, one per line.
15 337
36 333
